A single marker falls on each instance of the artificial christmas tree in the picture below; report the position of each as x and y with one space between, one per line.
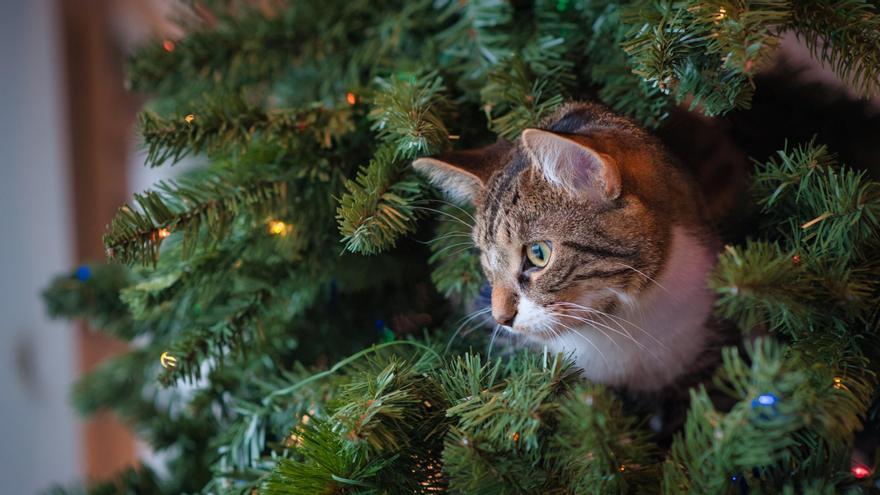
310 286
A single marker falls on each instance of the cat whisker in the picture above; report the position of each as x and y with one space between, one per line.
639 344
602 314
468 318
444 213
458 244
445 236
617 318
459 208
633 325
593 322
459 251
588 341
546 329
646 277
492 342
583 320
596 325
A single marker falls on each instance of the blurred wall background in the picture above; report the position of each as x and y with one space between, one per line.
39 433
68 159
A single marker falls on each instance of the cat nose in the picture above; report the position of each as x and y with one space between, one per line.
503 305
505 319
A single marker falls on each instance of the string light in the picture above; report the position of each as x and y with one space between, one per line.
350 98
796 259
622 468
83 273
167 360
294 440
163 233
838 383
516 436
860 471
722 13
189 118
168 45
277 227
766 405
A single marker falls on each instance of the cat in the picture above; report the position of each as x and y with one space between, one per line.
595 243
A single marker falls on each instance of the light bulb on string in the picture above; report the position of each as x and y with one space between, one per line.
860 471
167 360
277 227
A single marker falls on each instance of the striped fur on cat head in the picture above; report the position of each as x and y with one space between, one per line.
603 196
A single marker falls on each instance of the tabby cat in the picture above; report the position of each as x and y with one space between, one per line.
594 244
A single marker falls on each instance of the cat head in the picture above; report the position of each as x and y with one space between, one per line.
572 219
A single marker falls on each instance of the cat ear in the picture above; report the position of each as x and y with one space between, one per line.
569 163
462 175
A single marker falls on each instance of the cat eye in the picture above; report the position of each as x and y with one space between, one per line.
538 253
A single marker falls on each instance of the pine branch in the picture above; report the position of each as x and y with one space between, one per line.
247 47
609 66
231 327
525 87
704 52
230 124
479 38
454 258
599 449
378 205
495 440
707 52
845 35
383 409
762 285
782 411
825 278
829 208
408 115
383 398
92 292
201 206
242 45
327 468
514 98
